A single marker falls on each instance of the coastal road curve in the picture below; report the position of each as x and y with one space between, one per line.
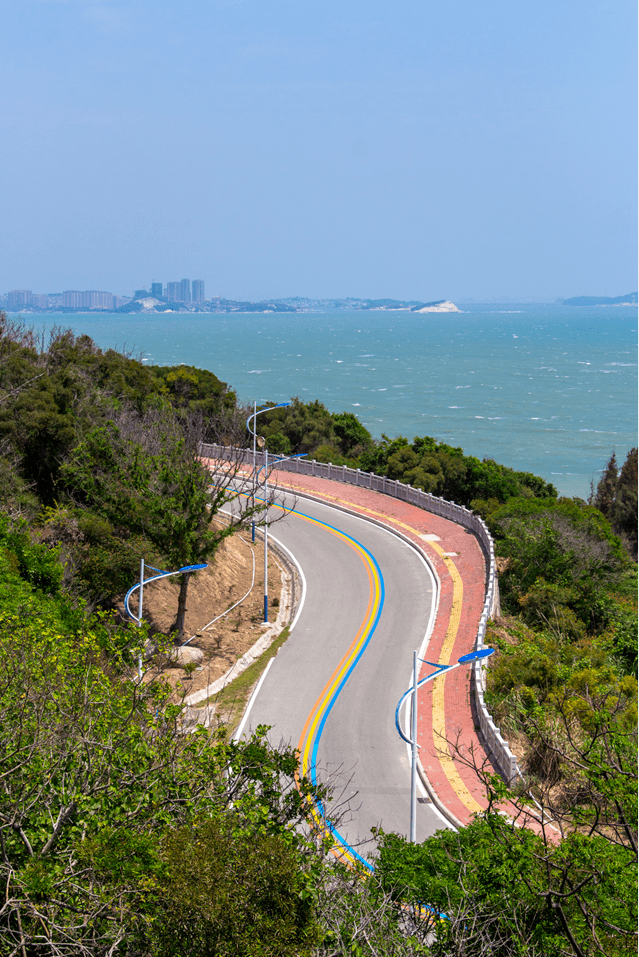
333 688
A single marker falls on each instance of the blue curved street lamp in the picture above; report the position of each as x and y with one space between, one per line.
471 657
159 574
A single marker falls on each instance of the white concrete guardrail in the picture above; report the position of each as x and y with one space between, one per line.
496 746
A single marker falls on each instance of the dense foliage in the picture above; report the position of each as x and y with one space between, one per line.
505 890
101 452
51 393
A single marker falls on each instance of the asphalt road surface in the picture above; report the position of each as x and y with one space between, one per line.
333 688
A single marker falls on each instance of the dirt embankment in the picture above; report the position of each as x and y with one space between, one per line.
212 592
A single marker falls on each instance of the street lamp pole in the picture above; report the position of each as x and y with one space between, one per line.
140 614
412 692
413 761
254 466
266 534
252 429
283 458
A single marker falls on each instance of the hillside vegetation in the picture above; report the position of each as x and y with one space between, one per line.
120 834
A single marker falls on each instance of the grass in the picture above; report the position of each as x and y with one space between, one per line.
232 700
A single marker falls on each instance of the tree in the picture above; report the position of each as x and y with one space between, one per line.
563 543
228 890
143 473
352 435
306 426
624 519
604 497
616 498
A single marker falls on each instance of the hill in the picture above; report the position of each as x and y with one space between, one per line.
629 299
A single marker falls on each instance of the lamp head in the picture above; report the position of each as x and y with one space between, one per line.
476 655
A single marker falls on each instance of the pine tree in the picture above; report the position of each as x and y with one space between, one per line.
624 518
605 496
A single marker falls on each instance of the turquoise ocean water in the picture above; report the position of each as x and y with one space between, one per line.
547 389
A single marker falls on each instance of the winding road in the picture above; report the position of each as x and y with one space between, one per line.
333 688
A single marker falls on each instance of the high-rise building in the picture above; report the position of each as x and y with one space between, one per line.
185 290
156 290
179 291
72 299
95 299
198 290
87 299
140 293
18 298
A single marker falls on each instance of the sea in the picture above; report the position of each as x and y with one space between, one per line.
548 389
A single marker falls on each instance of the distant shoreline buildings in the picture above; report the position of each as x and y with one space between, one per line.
184 293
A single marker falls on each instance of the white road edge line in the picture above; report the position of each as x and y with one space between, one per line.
238 733
302 579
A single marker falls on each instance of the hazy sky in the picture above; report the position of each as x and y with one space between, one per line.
408 149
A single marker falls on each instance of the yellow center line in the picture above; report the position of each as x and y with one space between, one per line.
331 688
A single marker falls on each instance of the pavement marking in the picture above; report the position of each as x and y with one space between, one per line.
312 732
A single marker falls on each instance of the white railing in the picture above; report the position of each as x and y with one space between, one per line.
497 747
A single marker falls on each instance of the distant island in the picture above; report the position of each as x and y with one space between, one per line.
630 299
444 305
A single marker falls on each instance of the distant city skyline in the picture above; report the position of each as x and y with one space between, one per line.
186 291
